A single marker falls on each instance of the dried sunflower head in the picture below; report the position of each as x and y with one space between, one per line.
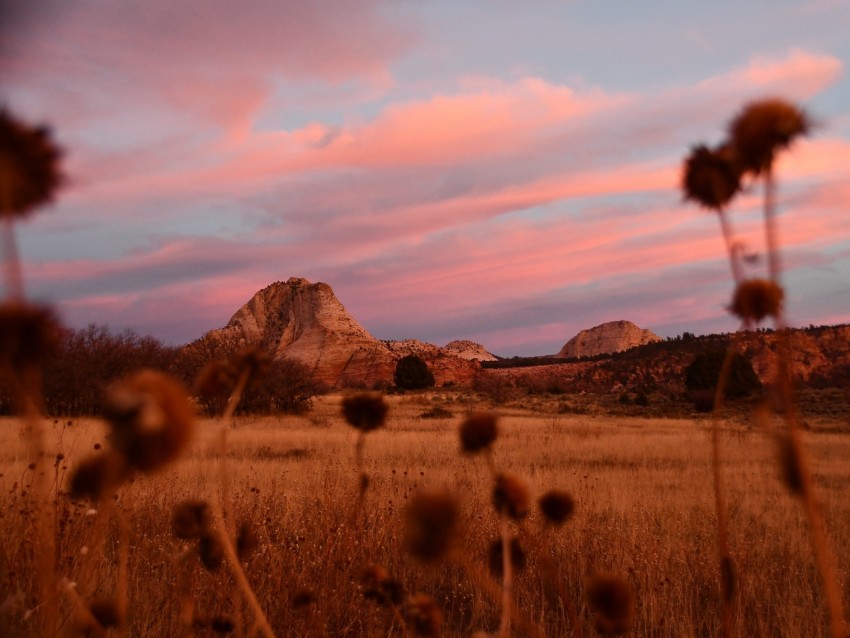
424 615
478 432
756 299
252 360
762 128
379 586
95 476
29 335
190 519
151 418
431 525
557 506
613 603
511 496
216 380
711 177
29 167
366 411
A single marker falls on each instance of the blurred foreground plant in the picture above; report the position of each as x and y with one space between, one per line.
712 177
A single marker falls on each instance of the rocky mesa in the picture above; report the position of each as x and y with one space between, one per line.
306 322
607 338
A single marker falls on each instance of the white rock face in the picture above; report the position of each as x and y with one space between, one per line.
470 350
306 322
613 336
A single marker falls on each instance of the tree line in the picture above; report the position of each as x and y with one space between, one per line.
88 360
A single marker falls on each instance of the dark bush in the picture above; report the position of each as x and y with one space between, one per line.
412 373
702 375
287 386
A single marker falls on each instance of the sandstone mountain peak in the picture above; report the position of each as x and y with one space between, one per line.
466 349
613 336
305 321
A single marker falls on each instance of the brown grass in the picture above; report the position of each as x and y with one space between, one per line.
644 510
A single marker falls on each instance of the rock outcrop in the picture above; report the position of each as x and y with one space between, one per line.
305 321
614 336
466 349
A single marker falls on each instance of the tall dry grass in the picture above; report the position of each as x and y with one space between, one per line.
644 508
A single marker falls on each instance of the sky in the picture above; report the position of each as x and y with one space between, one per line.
506 172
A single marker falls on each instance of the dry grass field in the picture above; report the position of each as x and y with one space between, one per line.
644 511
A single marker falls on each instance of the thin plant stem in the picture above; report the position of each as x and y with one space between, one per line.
549 569
731 248
186 591
483 581
236 396
362 477
123 569
821 545
14 278
239 574
770 227
45 523
727 584
81 610
507 578
400 618
242 583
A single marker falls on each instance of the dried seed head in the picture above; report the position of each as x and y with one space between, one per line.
557 506
431 522
96 475
216 380
29 167
302 598
510 496
366 411
789 462
246 540
151 417
210 551
495 557
763 128
711 177
612 601
29 335
222 625
190 519
756 299
252 360
378 586
477 432
424 615
105 612
219 625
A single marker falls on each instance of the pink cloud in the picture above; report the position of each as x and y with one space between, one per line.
494 122
801 75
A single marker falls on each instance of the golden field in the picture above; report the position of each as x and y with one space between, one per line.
644 511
